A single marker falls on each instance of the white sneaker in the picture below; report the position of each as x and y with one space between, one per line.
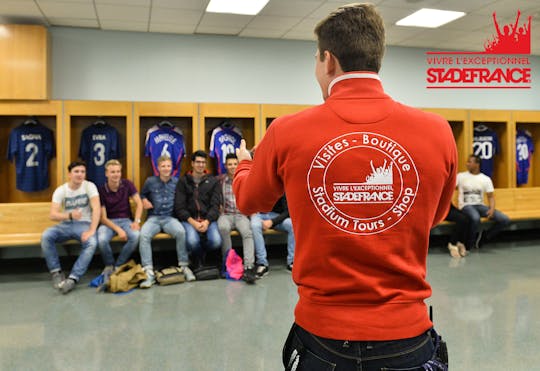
188 274
150 280
454 252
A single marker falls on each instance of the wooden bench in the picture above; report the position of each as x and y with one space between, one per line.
21 224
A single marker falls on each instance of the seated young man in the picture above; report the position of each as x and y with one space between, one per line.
231 218
196 205
277 219
472 185
116 218
75 205
158 198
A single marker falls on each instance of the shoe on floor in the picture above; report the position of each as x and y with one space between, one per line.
57 278
67 285
262 270
188 274
454 251
249 275
462 249
289 267
150 280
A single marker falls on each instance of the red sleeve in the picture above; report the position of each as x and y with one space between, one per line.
257 184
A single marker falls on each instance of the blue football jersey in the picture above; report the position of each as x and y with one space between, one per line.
485 146
524 150
165 141
99 144
31 146
224 140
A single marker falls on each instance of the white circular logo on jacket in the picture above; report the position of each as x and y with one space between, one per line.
362 183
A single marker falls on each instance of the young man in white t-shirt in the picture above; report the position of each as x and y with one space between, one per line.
76 206
472 186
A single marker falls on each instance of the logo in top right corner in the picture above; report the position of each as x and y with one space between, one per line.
503 64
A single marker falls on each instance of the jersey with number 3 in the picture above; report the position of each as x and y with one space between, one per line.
224 141
99 144
31 146
524 149
486 146
165 141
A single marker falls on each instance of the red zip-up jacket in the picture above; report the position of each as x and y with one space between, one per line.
366 178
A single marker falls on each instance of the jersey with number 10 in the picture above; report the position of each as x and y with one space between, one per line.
524 149
224 141
485 146
31 146
99 144
165 141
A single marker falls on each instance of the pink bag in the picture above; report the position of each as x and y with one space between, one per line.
234 266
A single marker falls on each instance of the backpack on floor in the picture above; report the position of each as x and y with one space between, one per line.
206 273
126 277
234 266
170 276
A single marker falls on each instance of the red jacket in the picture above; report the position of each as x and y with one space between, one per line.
366 178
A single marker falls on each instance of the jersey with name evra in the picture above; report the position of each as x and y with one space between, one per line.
165 141
224 140
31 146
524 150
99 144
71 200
485 146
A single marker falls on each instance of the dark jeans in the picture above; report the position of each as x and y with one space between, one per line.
475 212
461 231
304 351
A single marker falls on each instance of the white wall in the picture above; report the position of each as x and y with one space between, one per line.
129 66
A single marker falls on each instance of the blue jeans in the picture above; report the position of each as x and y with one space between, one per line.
105 234
193 239
62 232
309 352
260 248
169 225
475 212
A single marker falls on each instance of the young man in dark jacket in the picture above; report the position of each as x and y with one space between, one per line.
196 205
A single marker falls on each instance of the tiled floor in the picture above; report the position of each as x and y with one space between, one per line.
486 306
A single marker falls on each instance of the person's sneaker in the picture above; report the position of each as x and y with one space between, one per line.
188 274
249 276
289 267
67 285
149 281
462 249
57 278
262 270
454 251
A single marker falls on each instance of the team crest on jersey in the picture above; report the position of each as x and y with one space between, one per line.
362 183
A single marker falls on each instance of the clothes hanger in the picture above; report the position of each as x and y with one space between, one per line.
166 124
100 122
30 121
227 124
480 127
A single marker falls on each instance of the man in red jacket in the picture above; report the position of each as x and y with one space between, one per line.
364 189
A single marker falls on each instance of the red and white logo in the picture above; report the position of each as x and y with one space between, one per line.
362 183
502 65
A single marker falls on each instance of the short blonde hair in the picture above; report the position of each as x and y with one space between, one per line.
112 163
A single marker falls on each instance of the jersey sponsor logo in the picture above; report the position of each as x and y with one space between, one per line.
362 183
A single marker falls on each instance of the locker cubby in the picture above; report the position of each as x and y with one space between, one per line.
79 115
244 116
148 114
12 115
530 121
504 166
269 112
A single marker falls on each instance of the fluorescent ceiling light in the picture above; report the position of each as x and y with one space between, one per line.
247 7
430 18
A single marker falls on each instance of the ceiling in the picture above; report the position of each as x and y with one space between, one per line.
280 19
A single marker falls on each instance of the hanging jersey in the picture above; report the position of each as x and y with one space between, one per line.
99 144
485 146
165 141
31 146
222 142
524 149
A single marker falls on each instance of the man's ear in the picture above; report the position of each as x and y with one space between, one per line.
329 63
